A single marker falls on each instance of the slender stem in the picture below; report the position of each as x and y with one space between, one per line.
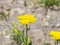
25 4
46 11
56 43
26 33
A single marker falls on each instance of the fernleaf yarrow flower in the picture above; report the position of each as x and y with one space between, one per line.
26 19
55 35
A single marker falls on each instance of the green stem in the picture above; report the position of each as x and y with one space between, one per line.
26 33
25 4
56 43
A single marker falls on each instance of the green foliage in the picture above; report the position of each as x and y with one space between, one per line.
50 2
30 43
3 16
16 36
46 44
21 38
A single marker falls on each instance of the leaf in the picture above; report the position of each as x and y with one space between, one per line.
46 44
30 43
15 37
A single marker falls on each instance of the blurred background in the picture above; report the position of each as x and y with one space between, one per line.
47 13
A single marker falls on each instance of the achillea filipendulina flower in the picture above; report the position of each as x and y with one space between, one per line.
27 18
24 21
55 35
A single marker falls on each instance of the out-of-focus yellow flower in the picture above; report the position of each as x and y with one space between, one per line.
16 31
55 35
26 19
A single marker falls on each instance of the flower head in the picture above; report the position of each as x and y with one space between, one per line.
55 35
26 19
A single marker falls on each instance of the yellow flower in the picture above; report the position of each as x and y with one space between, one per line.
16 31
55 35
26 19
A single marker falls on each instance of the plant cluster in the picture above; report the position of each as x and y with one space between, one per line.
21 36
